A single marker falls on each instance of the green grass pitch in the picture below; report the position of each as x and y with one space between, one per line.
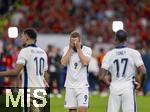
98 104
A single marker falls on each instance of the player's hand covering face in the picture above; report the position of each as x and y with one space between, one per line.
77 43
71 45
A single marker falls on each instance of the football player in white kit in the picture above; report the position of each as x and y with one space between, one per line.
122 63
32 61
76 57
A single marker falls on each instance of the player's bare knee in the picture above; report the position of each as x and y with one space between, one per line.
83 109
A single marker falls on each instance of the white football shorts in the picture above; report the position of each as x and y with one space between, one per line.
126 101
76 97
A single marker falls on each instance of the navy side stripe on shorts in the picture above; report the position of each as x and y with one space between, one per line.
25 88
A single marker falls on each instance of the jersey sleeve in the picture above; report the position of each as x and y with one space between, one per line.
106 62
64 51
22 57
88 53
138 59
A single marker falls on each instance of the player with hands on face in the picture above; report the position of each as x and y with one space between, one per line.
76 57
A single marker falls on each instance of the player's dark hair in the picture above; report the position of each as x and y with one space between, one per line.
31 33
121 36
75 34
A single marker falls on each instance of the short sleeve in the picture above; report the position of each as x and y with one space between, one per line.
106 62
22 57
88 53
138 59
65 51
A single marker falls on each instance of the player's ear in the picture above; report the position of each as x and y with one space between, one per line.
26 36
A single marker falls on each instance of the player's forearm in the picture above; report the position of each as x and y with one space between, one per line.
83 58
104 76
143 79
143 73
8 73
65 59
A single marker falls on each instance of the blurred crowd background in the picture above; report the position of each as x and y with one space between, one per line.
92 18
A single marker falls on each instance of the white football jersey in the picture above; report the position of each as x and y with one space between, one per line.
34 60
77 73
122 63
